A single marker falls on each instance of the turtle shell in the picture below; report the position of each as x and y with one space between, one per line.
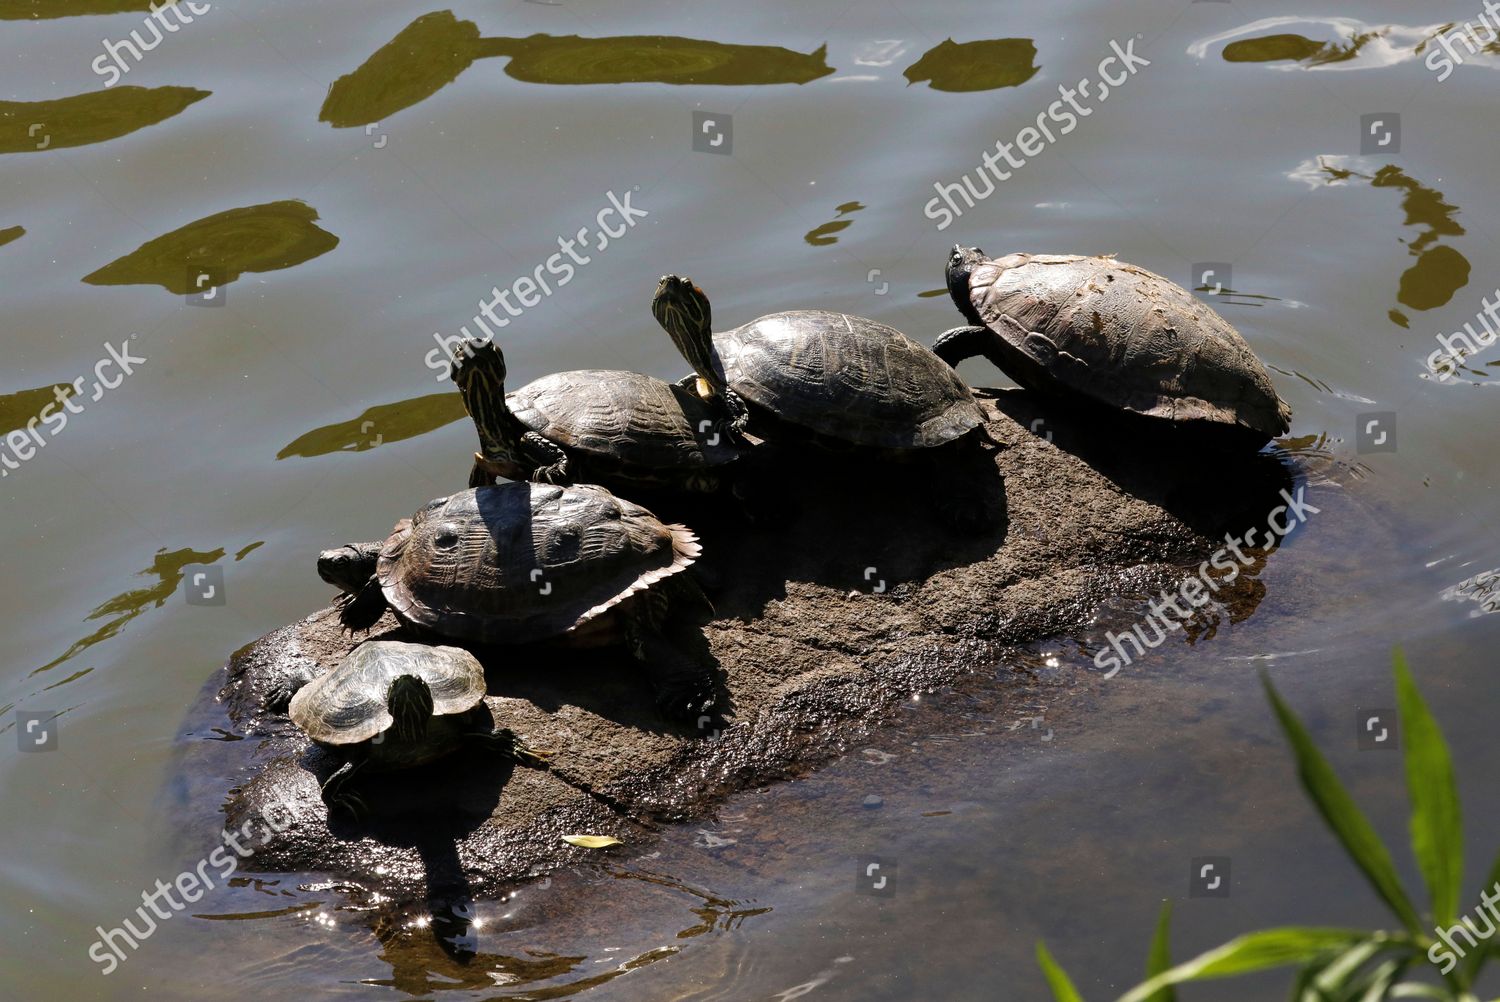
848 378
523 562
632 418
348 705
1127 337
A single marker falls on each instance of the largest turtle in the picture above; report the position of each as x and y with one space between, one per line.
1108 332
829 378
524 563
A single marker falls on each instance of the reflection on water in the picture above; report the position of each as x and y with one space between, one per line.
33 126
25 10
982 65
1320 43
1481 589
378 425
1272 48
11 233
441 946
825 234
265 237
19 409
569 59
1439 271
433 50
424 57
167 568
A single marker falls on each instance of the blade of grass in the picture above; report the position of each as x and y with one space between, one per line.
1437 838
1338 809
1159 960
1057 978
1255 951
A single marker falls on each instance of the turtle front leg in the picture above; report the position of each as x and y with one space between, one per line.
959 343
279 697
962 502
504 742
739 412
339 793
552 462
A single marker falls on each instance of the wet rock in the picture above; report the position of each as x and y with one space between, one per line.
811 660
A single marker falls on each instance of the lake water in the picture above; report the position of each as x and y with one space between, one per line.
280 249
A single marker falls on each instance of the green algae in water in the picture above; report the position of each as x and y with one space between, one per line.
265 237
32 10
11 234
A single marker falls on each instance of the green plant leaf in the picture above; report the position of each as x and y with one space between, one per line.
1472 963
1437 838
1160 958
1341 977
1342 815
1057 978
1255 951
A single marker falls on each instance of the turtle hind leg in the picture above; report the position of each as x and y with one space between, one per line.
959 343
685 683
505 742
480 475
362 610
340 795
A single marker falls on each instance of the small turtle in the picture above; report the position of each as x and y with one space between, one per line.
393 705
523 563
824 377
1112 333
592 426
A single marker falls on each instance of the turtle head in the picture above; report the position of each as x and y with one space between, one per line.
683 312
410 701
480 375
348 568
961 264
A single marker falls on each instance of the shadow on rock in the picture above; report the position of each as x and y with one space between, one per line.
1212 486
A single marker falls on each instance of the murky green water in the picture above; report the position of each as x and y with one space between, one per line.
278 206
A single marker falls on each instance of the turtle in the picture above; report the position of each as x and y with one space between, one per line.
393 705
526 563
818 376
605 426
1112 333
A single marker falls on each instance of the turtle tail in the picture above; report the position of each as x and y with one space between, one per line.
363 609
